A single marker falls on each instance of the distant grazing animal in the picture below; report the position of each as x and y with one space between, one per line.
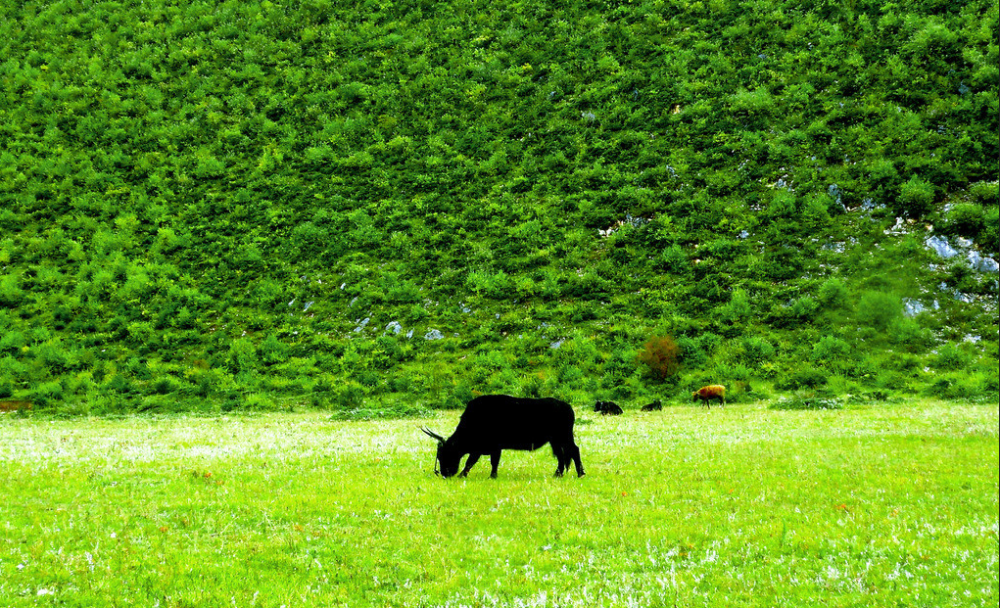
708 393
608 408
654 406
493 423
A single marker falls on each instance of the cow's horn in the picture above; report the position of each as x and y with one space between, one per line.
432 434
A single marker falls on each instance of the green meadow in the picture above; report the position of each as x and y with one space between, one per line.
886 504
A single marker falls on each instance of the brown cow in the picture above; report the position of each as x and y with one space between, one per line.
707 393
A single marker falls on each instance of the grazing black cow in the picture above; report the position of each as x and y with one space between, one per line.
608 408
493 423
654 406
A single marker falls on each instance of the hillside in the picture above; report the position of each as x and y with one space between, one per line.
238 205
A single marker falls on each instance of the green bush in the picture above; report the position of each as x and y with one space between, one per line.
12 342
801 378
878 309
960 386
696 352
6 388
985 193
738 309
811 402
11 294
915 198
272 351
833 294
47 395
830 348
989 236
164 385
757 350
951 357
675 260
965 219
242 357
891 380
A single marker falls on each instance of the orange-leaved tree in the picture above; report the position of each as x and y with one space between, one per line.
661 356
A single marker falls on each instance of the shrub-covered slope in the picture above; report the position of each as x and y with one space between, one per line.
237 204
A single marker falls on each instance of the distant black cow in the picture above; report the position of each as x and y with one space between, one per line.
493 423
654 406
608 408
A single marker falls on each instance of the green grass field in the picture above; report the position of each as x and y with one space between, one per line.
884 505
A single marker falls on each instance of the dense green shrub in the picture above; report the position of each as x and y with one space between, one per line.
11 294
6 388
272 351
830 348
879 309
951 357
674 259
915 198
965 219
833 294
242 357
989 235
757 350
813 402
961 386
908 332
801 378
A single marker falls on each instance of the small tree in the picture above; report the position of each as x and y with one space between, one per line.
661 356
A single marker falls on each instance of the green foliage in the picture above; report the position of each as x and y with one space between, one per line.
977 387
833 294
11 294
242 358
807 402
879 309
674 259
803 377
830 348
951 357
965 219
738 309
246 198
989 235
757 350
915 197
273 351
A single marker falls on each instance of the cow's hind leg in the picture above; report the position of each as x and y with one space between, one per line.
495 462
574 453
560 453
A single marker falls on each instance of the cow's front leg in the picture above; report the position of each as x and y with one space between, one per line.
495 461
473 459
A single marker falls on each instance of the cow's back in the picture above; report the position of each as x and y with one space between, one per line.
513 423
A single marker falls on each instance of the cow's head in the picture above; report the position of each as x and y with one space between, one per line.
447 456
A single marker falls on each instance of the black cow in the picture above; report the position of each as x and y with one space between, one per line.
654 406
607 408
493 423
